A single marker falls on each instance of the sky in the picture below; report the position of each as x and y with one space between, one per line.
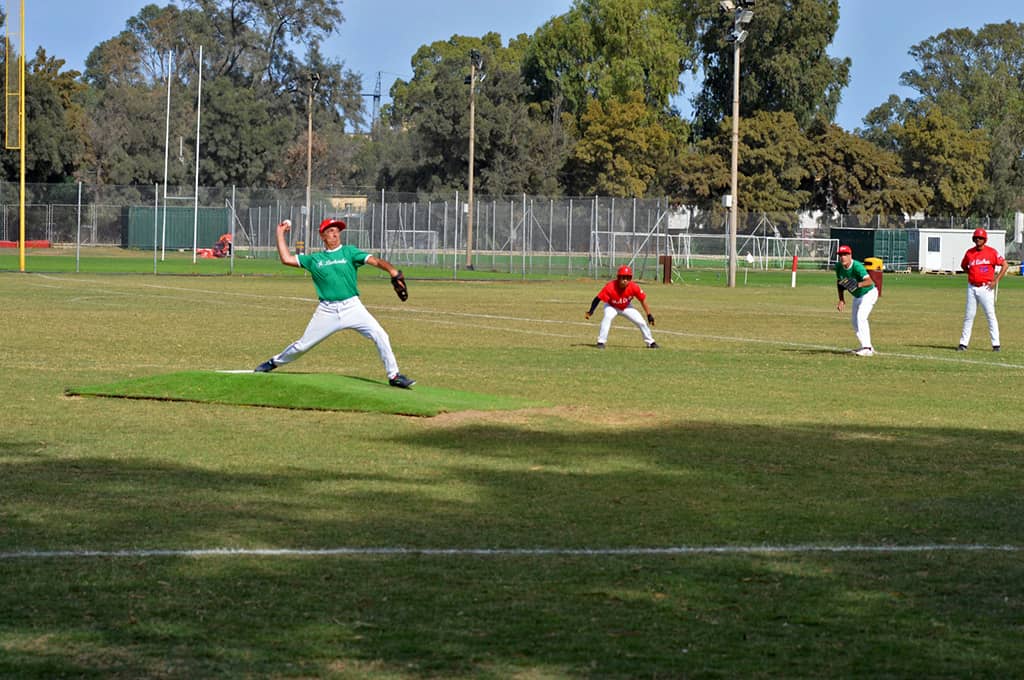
381 36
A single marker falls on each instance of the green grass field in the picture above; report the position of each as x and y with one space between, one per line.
749 501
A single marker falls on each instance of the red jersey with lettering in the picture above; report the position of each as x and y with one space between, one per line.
980 265
620 299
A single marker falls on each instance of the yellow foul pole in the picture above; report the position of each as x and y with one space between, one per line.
14 103
21 139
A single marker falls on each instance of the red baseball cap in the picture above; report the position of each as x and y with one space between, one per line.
845 250
332 222
980 233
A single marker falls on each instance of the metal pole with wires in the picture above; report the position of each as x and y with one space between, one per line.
742 15
475 64
314 81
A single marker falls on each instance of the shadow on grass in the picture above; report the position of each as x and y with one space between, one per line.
500 485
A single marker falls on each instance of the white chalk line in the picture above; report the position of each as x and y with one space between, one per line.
511 552
564 322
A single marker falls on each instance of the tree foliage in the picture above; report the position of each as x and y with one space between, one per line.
518 147
255 88
610 49
784 63
977 80
945 158
850 175
54 122
582 106
622 146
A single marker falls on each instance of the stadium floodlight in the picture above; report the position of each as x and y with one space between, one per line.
742 15
736 37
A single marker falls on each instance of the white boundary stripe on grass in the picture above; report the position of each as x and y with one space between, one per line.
560 322
509 552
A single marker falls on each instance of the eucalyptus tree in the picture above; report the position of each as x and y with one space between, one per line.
610 49
623 148
784 64
946 158
518 147
256 88
848 174
976 80
54 123
772 170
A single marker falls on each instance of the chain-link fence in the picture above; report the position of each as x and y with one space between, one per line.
520 235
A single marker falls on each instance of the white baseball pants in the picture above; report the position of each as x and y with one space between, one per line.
862 307
630 313
331 317
986 297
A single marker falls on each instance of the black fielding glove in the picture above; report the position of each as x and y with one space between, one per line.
398 283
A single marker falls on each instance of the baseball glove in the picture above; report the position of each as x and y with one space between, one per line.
849 284
650 319
398 283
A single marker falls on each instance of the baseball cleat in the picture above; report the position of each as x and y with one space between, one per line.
600 345
400 380
865 352
995 348
961 348
266 367
653 345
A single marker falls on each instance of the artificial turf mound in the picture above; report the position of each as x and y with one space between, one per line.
300 391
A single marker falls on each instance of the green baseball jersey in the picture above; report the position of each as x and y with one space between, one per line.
334 271
857 272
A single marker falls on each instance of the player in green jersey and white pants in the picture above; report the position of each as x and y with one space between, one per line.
852 276
334 275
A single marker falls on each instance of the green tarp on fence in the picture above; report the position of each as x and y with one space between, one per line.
138 227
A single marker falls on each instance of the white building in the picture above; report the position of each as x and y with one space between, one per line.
941 250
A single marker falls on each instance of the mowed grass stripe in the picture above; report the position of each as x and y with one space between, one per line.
749 430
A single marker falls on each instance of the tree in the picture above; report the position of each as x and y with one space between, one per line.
515 143
772 174
610 49
977 80
784 64
241 139
54 123
621 147
851 175
126 137
698 175
947 159
255 87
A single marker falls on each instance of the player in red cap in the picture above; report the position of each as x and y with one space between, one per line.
980 263
617 296
852 277
333 271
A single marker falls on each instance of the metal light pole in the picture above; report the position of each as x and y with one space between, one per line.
735 166
475 62
314 80
742 14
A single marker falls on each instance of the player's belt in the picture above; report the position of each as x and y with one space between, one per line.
340 303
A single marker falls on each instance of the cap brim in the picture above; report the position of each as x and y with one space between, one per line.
337 224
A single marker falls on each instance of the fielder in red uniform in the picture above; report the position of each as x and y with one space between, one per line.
617 296
980 263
